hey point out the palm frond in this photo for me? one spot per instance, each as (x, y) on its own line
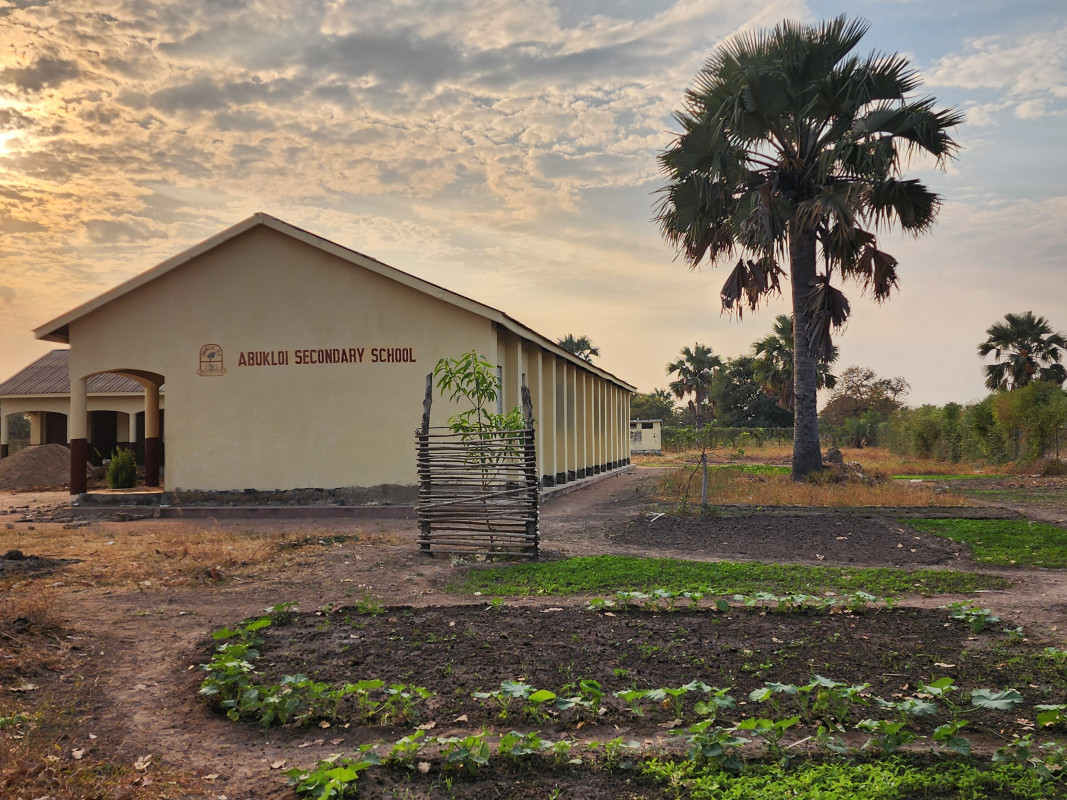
(828, 310)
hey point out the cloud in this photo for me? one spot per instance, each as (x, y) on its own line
(1030, 69)
(45, 73)
(7, 295)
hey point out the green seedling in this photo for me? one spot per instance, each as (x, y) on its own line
(406, 751)
(515, 745)
(1051, 715)
(633, 698)
(505, 696)
(890, 736)
(332, 777)
(946, 737)
(468, 753)
(977, 618)
(717, 700)
(401, 703)
(710, 745)
(536, 705)
(1023, 751)
(770, 730)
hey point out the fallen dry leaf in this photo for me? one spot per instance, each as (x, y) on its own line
(278, 764)
(427, 726)
(461, 718)
(78, 753)
(423, 767)
(142, 763)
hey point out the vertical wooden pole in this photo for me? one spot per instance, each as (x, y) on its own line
(425, 485)
(533, 483)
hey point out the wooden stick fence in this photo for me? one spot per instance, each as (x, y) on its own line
(478, 492)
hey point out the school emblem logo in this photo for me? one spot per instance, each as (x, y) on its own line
(211, 361)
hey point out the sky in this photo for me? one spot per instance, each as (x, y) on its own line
(507, 151)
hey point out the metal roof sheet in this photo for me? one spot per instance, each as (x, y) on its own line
(50, 375)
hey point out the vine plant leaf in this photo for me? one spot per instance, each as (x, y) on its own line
(999, 701)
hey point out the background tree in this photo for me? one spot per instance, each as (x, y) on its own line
(580, 346)
(694, 369)
(740, 401)
(860, 403)
(791, 144)
(859, 390)
(1027, 350)
(774, 364)
(657, 404)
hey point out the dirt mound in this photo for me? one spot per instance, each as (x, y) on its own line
(43, 465)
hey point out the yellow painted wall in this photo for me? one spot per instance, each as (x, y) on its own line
(288, 425)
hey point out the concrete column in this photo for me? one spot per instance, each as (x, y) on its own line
(151, 435)
(615, 458)
(612, 457)
(572, 422)
(559, 369)
(547, 422)
(123, 439)
(36, 427)
(512, 369)
(579, 402)
(77, 432)
(5, 436)
(532, 360)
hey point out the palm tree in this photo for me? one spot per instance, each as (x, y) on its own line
(792, 145)
(774, 364)
(580, 346)
(1031, 352)
(694, 369)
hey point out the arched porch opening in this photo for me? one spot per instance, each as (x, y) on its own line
(141, 431)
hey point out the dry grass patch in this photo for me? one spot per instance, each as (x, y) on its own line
(125, 554)
(727, 486)
(872, 458)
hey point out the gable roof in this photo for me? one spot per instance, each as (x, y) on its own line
(49, 375)
(58, 330)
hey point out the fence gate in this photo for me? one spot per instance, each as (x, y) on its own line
(478, 492)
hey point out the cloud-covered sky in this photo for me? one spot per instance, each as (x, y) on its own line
(505, 150)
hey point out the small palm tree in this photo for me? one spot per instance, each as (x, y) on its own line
(580, 346)
(1027, 350)
(793, 147)
(774, 364)
(695, 370)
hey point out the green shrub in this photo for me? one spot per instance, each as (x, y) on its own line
(122, 470)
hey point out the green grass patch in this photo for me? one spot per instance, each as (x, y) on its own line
(594, 574)
(753, 469)
(1003, 541)
(893, 779)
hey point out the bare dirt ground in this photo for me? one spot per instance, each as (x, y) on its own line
(127, 666)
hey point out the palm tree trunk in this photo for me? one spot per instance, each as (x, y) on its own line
(807, 454)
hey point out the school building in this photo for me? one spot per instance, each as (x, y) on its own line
(281, 360)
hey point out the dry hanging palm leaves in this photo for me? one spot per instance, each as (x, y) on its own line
(828, 308)
(750, 280)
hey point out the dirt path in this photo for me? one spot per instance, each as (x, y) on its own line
(136, 651)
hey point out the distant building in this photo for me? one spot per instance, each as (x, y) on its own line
(290, 362)
(646, 436)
